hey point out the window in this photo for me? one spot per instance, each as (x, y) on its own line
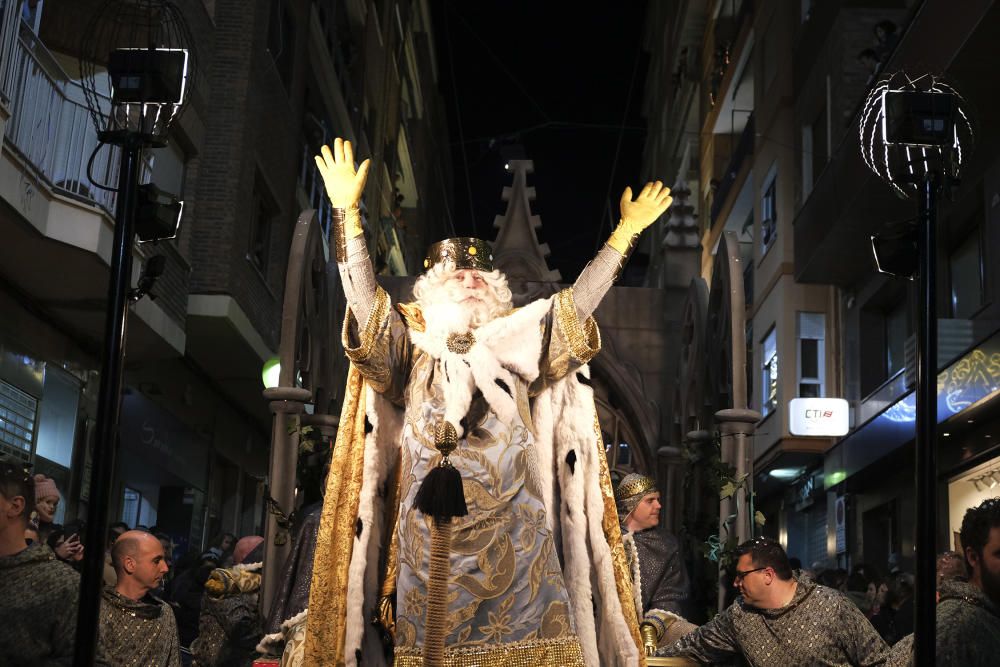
(261, 219)
(769, 373)
(965, 268)
(812, 354)
(769, 213)
(896, 331)
(17, 421)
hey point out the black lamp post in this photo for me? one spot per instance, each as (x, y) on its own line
(137, 65)
(915, 134)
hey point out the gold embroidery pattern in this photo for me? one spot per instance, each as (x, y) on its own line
(613, 533)
(327, 620)
(386, 614)
(413, 316)
(563, 652)
(369, 336)
(584, 341)
(460, 343)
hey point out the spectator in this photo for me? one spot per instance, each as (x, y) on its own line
(781, 620)
(861, 591)
(137, 628)
(968, 613)
(222, 545)
(835, 578)
(894, 619)
(47, 499)
(114, 532)
(950, 567)
(230, 624)
(67, 539)
(39, 593)
(186, 596)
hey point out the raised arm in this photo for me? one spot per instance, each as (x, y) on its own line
(344, 186)
(597, 277)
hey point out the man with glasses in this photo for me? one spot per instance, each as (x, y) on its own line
(38, 593)
(782, 620)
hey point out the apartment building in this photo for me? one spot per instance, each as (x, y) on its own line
(275, 80)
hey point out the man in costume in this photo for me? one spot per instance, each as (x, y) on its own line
(38, 593)
(137, 628)
(781, 620)
(468, 494)
(968, 612)
(659, 577)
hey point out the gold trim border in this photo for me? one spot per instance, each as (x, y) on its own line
(377, 316)
(584, 340)
(565, 652)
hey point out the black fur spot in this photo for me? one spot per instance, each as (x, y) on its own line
(357, 655)
(503, 385)
(571, 460)
(584, 380)
(358, 527)
(465, 425)
(368, 425)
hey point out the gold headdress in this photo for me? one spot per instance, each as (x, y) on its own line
(466, 252)
(631, 490)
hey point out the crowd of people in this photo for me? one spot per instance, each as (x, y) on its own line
(201, 609)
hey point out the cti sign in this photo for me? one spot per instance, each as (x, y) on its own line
(818, 416)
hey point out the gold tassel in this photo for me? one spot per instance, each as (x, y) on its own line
(436, 621)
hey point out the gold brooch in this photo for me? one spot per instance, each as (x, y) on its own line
(460, 343)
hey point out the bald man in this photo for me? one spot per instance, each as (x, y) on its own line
(138, 628)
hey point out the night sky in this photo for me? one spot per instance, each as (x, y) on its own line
(554, 79)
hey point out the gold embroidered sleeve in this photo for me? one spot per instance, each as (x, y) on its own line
(380, 350)
(567, 343)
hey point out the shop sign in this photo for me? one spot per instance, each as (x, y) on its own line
(818, 416)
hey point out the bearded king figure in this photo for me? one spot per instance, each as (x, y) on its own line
(469, 517)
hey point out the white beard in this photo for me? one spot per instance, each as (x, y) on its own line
(450, 309)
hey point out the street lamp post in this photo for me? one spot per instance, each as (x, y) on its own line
(144, 44)
(913, 134)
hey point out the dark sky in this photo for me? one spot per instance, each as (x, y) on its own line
(552, 77)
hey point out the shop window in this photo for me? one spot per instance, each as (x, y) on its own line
(769, 213)
(812, 354)
(17, 421)
(137, 510)
(769, 373)
(965, 269)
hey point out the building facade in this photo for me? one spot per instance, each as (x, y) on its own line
(756, 108)
(275, 80)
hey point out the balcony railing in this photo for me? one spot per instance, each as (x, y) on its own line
(50, 126)
(743, 149)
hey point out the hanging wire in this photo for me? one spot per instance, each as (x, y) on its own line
(90, 170)
(458, 120)
(618, 147)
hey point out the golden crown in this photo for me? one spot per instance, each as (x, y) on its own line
(634, 486)
(466, 252)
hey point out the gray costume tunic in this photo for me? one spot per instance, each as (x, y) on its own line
(662, 573)
(968, 629)
(38, 612)
(818, 627)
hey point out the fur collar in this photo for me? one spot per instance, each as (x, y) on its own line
(506, 347)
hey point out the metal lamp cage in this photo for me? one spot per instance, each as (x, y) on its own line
(150, 47)
(903, 162)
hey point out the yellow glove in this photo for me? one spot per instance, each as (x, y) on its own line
(343, 184)
(652, 201)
